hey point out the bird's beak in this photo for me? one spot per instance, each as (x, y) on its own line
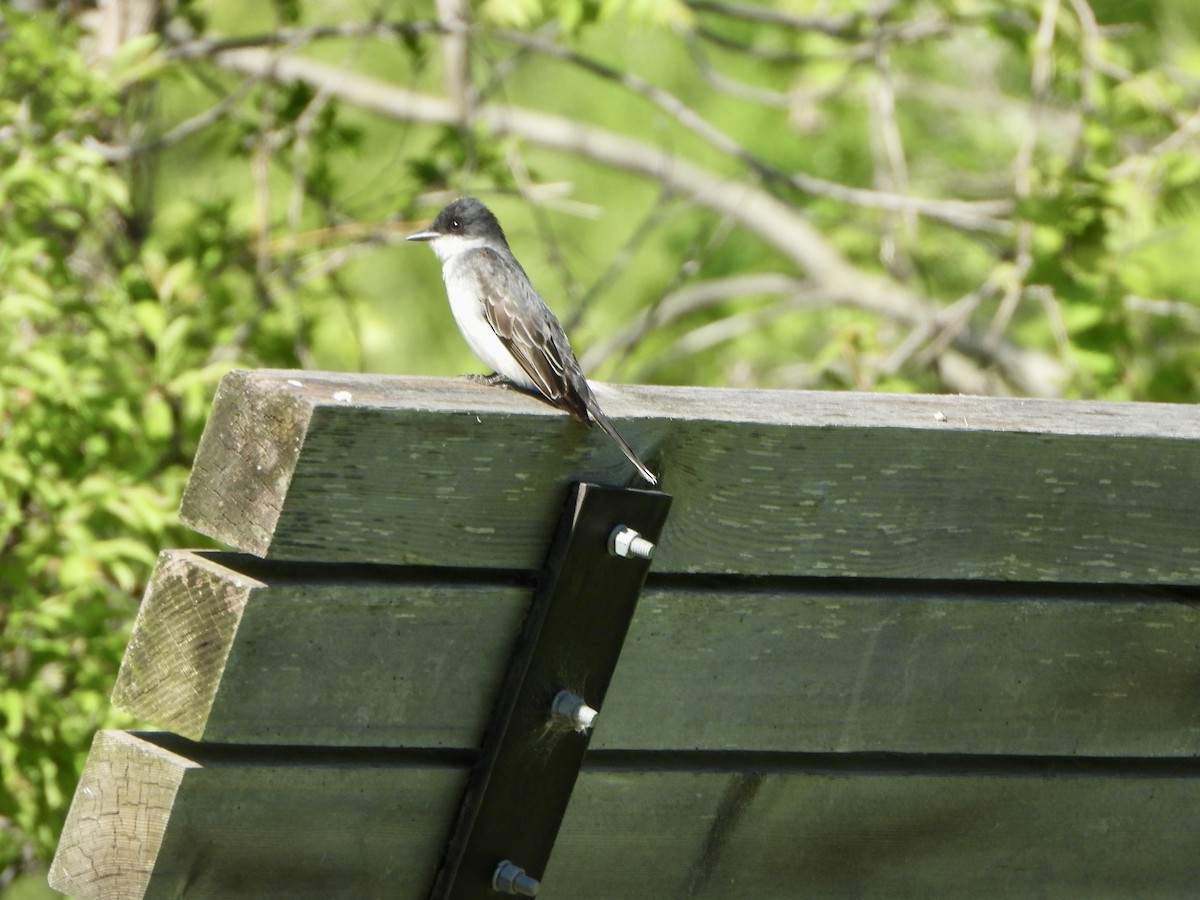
(422, 236)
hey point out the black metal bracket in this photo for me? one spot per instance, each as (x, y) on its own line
(558, 676)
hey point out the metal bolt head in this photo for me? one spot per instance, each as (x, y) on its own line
(624, 541)
(574, 710)
(509, 878)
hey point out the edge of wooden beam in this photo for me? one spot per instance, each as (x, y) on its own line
(231, 650)
(157, 816)
(181, 640)
(118, 818)
(665, 404)
(444, 472)
(245, 460)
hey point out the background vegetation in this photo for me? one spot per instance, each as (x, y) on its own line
(938, 195)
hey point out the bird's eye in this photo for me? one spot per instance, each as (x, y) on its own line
(455, 224)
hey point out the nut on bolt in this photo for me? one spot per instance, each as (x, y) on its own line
(624, 541)
(509, 878)
(574, 710)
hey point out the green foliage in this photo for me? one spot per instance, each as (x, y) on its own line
(1080, 129)
(573, 14)
(265, 238)
(111, 349)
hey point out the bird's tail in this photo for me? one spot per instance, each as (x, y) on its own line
(611, 430)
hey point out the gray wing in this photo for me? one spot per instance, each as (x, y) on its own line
(527, 327)
(531, 333)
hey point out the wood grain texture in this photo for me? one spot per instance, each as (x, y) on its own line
(118, 818)
(318, 466)
(354, 657)
(1018, 669)
(247, 455)
(174, 664)
(262, 825)
(886, 834)
(329, 657)
(361, 825)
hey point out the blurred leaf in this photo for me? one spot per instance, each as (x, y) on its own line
(137, 60)
(512, 13)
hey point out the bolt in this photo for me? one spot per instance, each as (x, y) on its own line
(624, 541)
(509, 878)
(572, 708)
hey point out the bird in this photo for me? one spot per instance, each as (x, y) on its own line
(505, 320)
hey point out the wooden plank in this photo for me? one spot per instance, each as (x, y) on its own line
(247, 455)
(891, 834)
(1013, 669)
(156, 817)
(341, 657)
(396, 657)
(115, 826)
(198, 822)
(319, 466)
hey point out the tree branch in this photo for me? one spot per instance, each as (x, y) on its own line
(844, 26)
(972, 215)
(774, 221)
(206, 47)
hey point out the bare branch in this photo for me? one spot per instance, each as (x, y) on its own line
(966, 214)
(181, 132)
(679, 303)
(1151, 306)
(454, 16)
(844, 26)
(776, 57)
(1040, 78)
(713, 334)
(937, 331)
(986, 215)
(295, 37)
(731, 86)
(773, 220)
(891, 166)
(1185, 134)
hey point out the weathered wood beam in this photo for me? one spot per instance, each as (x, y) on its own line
(342, 657)
(351, 468)
(886, 833)
(156, 817)
(232, 650)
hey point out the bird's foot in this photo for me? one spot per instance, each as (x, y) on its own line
(490, 380)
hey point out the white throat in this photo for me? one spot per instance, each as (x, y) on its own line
(450, 246)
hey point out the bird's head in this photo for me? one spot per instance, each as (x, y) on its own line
(465, 224)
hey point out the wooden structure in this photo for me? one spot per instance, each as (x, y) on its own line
(890, 646)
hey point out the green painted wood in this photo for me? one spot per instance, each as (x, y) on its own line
(156, 817)
(233, 651)
(789, 835)
(341, 658)
(247, 456)
(1003, 669)
(317, 466)
(1001, 700)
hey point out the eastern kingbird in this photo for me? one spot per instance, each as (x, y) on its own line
(505, 319)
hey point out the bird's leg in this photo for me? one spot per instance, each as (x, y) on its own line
(490, 380)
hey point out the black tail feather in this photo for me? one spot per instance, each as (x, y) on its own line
(611, 430)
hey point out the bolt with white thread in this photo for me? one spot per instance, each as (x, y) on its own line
(509, 878)
(574, 710)
(624, 541)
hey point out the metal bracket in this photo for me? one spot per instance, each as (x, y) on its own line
(533, 749)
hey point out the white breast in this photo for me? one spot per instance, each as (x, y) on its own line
(468, 313)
